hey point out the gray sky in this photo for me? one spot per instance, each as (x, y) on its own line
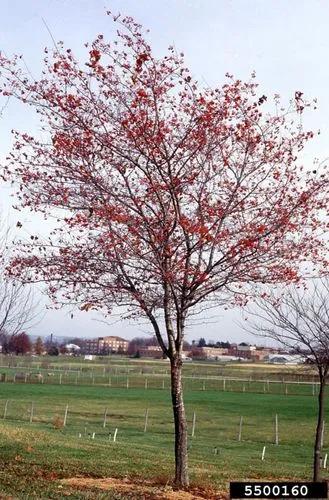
(286, 43)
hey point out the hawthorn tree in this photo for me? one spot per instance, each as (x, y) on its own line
(169, 197)
(299, 320)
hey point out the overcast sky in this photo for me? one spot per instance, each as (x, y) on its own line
(285, 42)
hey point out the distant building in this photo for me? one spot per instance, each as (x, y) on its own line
(106, 345)
(286, 359)
(72, 348)
(151, 351)
(155, 351)
(208, 352)
(242, 351)
(262, 354)
(251, 352)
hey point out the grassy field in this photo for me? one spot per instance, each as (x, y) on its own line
(37, 452)
(117, 364)
(150, 374)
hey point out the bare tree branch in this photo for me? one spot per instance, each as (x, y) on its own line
(299, 320)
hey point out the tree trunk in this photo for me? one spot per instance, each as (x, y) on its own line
(181, 467)
(317, 443)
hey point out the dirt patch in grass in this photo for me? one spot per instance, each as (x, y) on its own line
(142, 489)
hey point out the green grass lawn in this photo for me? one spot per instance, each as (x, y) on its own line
(35, 456)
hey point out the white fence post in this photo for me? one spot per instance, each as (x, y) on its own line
(240, 429)
(65, 415)
(5, 409)
(105, 417)
(31, 412)
(263, 452)
(193, 424)
(146, 419)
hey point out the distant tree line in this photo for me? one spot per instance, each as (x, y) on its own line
(18, 343)
(21, 343)
(203, 343)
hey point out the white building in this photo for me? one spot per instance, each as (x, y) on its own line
(72, 348)
(286, 359)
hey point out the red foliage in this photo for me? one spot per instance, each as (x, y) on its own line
(171, 193)
(20, 343)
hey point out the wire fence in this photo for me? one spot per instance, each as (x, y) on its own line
(261, 438)
(157, 381)
(109, 365)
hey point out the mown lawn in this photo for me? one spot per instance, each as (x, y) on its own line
(35, 456)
